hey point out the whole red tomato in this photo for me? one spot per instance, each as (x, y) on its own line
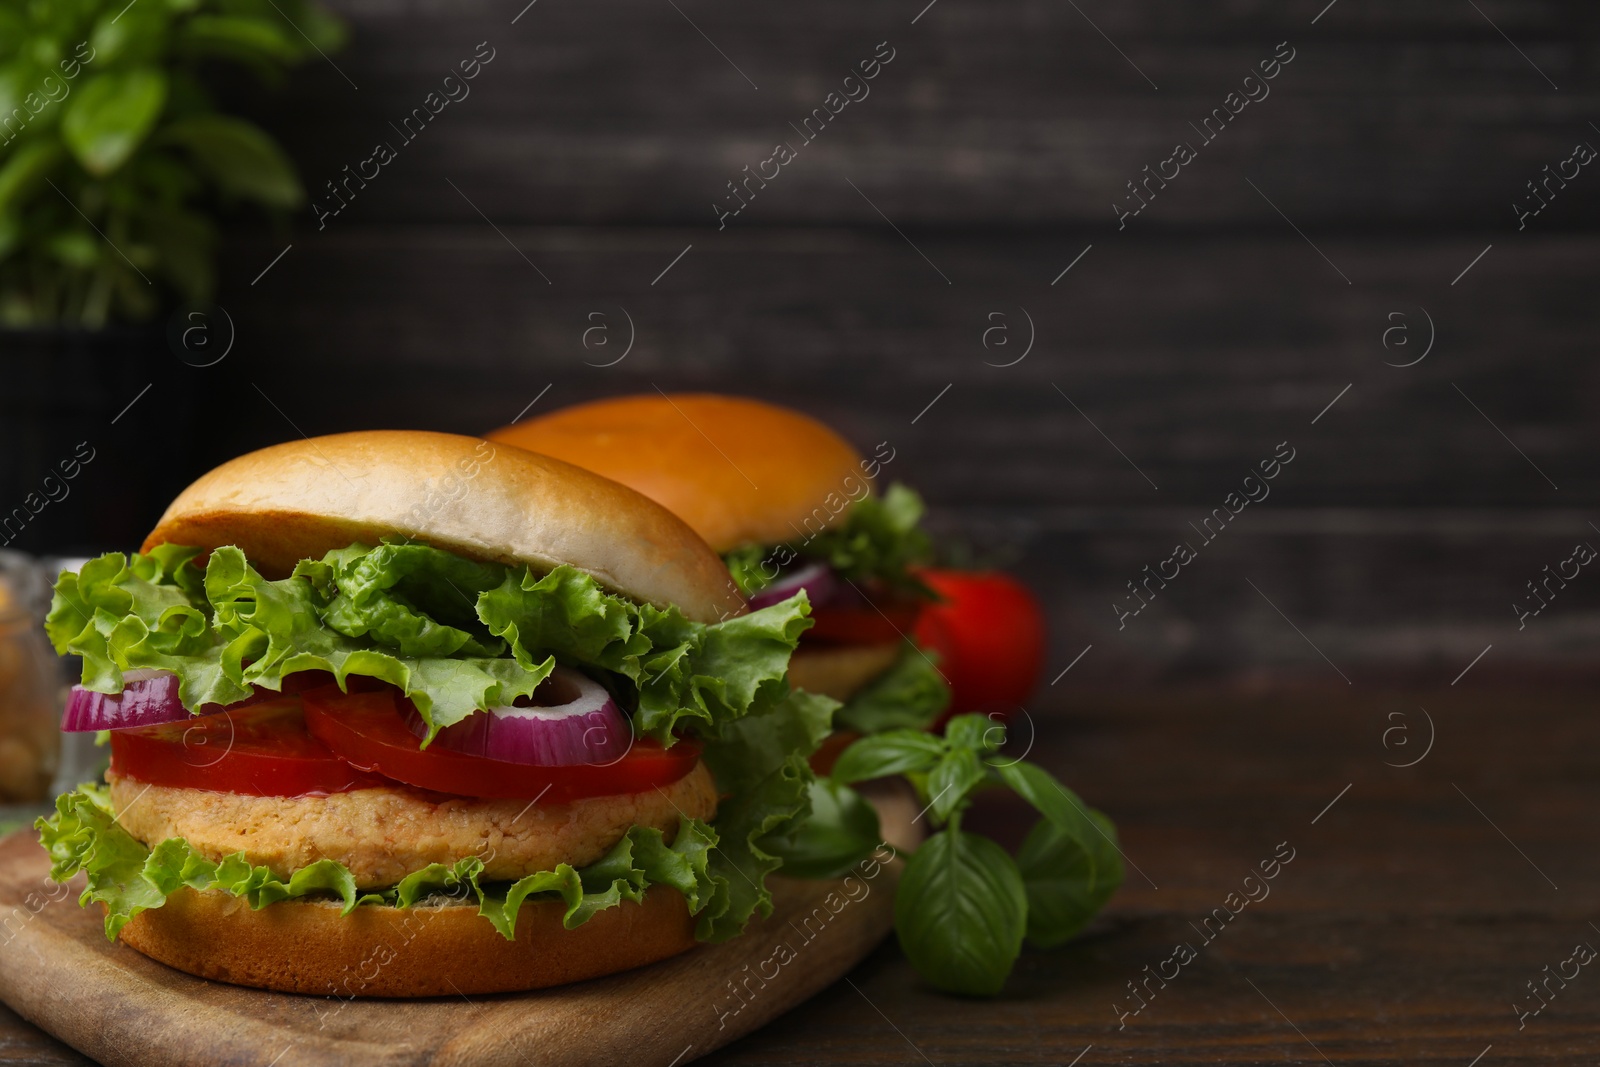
(989, 633)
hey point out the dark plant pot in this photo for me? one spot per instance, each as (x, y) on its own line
(80, 470)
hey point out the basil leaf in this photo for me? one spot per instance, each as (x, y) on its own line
(961, 769)
(241, 158)
(841, 832)
(952, 779)
(960, 913)
(130, 38)
(911, 694)
(111, 115)
(25, 172)
(1066, 883)
(979, 733)
(1052, 799)
(895, 752)
(1069, 860)
(246, 39)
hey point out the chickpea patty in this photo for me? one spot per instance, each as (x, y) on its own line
(384, 834)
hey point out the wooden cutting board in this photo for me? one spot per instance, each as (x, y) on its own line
(58, 970)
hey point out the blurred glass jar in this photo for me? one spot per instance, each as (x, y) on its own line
(30, 685)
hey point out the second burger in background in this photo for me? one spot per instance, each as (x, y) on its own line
(790, 505)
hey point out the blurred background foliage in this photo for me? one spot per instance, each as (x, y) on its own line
(116, 157)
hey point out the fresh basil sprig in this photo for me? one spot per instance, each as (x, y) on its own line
(964, 905)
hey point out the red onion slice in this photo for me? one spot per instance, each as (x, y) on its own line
(576, 723)
(148, 698)
(817, 579)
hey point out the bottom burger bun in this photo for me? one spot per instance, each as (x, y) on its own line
(840, 671)
(429, 950)
(441, 945)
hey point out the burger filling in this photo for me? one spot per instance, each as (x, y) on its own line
(395, 720)
(857, 564)
(382, 834)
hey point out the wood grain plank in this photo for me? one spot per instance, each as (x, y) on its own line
(1400, 932)
(24, 1045)
(1194, 356)
(1016, 113)
(1420, 598)
(1405, 527)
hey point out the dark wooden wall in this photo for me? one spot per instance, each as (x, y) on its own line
(458, 284)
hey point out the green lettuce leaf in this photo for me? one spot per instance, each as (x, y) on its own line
(745, 565)
(879, 539)
(761, 765)
(841, 831)
(912, 694)
(128, 877)
(679, 669)
(229, 630)
(455, 635)
(412, 598)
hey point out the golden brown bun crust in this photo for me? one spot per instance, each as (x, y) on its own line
(301, 499)
(839, 671)
(737, 470)
(426, 951)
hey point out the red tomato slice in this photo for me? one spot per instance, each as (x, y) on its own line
(862, 625)
(367, 729)
(260, 750)
(989, 633)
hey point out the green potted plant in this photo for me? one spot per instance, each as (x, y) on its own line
(114, 157)
(116, 164)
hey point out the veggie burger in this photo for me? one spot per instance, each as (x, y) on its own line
(412, 714)
(791, 506)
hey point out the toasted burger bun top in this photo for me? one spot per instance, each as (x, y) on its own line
(737, 470)
(481, 500)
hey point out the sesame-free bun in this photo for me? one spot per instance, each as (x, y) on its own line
(475, 498)
(735, 469)
(430, 950)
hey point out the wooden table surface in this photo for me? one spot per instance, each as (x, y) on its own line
(1417, 904)
(1376, 189)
